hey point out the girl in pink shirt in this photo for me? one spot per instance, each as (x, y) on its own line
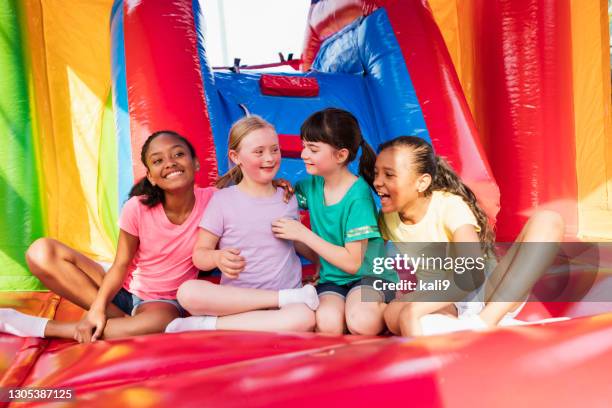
(158, 230)
(261, 275)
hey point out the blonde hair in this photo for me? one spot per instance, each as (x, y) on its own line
(240, 129)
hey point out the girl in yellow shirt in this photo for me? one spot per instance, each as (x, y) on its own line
(423, 200)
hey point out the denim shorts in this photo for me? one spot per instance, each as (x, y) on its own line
(343, 290)
(128, 302)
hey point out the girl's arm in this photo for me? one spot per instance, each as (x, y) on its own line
(347, 258)
(467, 242)
(467, 246)
(312, 256)
(306, 252)
(207, 257)
(126, 249)
(111, 283)
(466, 233)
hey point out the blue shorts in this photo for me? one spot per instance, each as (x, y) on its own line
(128, 302)
(330, 288)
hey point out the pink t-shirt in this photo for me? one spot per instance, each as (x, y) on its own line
(245, 222)
(163, 258)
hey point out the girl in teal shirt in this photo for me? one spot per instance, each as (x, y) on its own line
(345, 239)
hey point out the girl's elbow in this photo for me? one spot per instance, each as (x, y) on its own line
(201, 257)
(199, 264)
(197, 260)
(353, 268)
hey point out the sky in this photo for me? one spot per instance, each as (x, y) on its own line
(256, 30)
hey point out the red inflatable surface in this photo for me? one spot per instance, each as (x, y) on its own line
(519, 366)
(558, 364)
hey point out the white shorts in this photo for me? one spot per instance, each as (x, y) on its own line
(471, 308)
(105, 265)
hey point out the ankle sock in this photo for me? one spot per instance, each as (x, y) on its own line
(306, 294)
(21, 324)
(192, 323)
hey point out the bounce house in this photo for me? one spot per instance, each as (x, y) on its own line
(515, 94)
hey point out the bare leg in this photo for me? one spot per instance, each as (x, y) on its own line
(403, 315)
(68, 273)
(330, 315)
(364, 318)
(206, 298)
(409, 320)
(150, 318)
(391, 316)
(523, 265)
(297, 317)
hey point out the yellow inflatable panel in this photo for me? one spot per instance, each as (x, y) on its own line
(593, 117)
(70, 45)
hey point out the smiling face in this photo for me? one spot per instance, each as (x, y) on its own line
(321, 158)
(169, 163)
(397, 183)
(258, 155)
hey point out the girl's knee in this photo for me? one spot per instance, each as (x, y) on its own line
(391, 315)
(366, 321)
(191, 292)
(551, 221)
(42, 252)
(411, 312)
(304, 320)
(329, 322)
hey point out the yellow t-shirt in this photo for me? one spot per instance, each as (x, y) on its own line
(446, 213)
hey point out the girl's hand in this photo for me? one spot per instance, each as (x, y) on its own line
(230, 262)
(289, 229)
(285, 185)
(94, 320)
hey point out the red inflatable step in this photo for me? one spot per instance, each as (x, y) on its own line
(290, 145)
(285, 85)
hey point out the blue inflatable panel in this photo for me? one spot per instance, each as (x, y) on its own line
(368, 48)
(120, 103)
(287, 114)
(360, 69)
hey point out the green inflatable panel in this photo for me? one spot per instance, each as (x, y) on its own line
(20, 208)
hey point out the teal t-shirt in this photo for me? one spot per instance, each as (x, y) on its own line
(353, 218)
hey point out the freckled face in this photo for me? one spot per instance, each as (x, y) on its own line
(395, 180)
(169, 163)
(259, 155)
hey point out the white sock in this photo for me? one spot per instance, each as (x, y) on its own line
(306, 294)
(442, 324)
(192, 323)
(21, 324)
(509, 321)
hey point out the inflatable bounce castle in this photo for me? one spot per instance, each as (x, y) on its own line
(514, 93)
